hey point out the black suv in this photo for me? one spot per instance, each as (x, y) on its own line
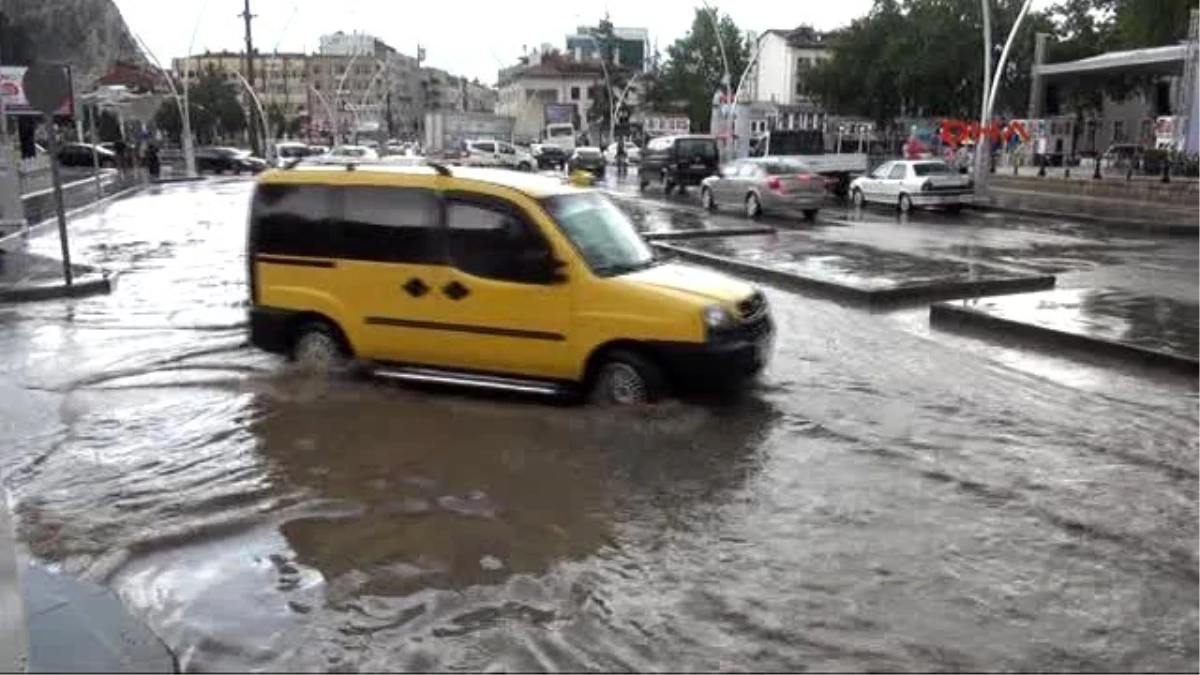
(678, 161)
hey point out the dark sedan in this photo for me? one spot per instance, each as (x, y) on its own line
(587, 159)
(233, 160)
(550, 156)
(81, 155)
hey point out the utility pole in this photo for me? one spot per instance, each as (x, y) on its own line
(248, 17)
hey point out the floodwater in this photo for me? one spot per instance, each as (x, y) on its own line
(887, 499)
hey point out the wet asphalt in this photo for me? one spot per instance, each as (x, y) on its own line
(888, 498)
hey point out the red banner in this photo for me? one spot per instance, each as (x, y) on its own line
(957, 132)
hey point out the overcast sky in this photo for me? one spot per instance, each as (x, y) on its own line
(466, 37)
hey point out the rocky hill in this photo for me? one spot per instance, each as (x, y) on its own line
(90, 35)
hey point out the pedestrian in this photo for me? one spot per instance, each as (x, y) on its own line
(620, 158)
(119, 148)
(153, 163)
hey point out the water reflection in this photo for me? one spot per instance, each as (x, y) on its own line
(461, 491)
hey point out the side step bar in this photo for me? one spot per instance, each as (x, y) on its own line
(455, 378)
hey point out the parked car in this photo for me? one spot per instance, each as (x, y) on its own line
(1123, 156)
(759, 186)
(492, 280)
(291, 150)
(351, 153)
(633, 154)
(587, 159)
(498, 153)
(233, 160)
(909, 184)
(550, 156)
(678, 161)
(81, 155)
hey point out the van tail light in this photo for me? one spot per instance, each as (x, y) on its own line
(774, 184)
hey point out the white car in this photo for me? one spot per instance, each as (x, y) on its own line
(351, 153)
(914, 183)
(633, 154)
(500, 154)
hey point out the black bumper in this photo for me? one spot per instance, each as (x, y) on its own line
(716, 366)
(690, 177)
(271, 329)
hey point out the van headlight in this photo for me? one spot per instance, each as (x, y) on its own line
(717, 317)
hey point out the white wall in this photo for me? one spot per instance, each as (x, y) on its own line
(523, 99)
(773, 72)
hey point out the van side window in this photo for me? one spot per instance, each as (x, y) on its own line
(492, 241)
(293, 220)
(388, 224)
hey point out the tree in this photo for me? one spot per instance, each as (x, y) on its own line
(1149, 23)
(925, 58)
(694, 70)
(215, 109)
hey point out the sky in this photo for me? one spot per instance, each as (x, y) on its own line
(474, 38)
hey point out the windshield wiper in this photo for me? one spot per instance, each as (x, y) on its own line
(616, 269)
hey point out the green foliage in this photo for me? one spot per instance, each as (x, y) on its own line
(215, 109)
(694, 69)
(925, 58)
(1148, 23)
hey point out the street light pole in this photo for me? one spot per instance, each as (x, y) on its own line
(727, 78)
(980, 155)
(982, 168)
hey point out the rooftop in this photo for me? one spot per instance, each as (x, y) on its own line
(1168, 58)
(531, 184)
(801, 37)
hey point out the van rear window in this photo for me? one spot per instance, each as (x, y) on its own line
(697, 147)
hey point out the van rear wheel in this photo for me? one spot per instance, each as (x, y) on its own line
(627, 378)
(318, 347)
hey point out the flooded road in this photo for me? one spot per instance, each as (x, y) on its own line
(889, 498)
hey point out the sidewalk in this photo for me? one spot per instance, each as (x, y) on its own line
(28, 277)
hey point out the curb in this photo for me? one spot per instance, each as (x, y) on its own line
(81, 210)
(674, 235)
(178, 179)
(1141, 226)
(79, 289)
(871, 298)
(967, 320)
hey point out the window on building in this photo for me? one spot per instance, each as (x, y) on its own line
(1118, 131)
(574, 93)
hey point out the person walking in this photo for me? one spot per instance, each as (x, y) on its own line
(620, 158)
(153, 163)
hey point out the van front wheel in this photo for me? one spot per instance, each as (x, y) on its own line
(626, 378)
(318, 347)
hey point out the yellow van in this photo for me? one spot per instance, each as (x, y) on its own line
(487, 278)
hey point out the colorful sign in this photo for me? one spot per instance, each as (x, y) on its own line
(13, 92)
(958, 132)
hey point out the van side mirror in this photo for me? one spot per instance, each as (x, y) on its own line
(541, 267)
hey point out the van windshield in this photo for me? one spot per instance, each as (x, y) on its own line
(601, 232)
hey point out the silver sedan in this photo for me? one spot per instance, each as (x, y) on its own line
(768, 184)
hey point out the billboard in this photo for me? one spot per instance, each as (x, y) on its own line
(560, 113)
(12, 91)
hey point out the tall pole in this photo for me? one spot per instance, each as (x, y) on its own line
(247, 17)
(982, 155)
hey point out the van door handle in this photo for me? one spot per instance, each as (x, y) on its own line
(455, 291)
(415, 287)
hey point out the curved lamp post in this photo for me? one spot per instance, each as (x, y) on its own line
(266, 127)
(990, 96)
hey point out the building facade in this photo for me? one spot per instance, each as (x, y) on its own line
(546, 76)
(776, 82)
(279, 78)
(632, 51)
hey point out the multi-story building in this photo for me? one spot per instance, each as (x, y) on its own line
(631, 51)
(394, 102)
(546, 76)
(776, 82)
(279, 78)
